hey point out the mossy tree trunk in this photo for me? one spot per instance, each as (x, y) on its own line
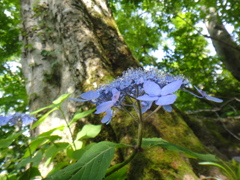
(73, 46)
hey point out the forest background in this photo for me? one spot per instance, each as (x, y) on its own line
(174, 30)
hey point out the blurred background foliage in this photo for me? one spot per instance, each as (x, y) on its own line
(12, 91)
(169, 35)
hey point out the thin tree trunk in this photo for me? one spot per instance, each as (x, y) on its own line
(227, 50)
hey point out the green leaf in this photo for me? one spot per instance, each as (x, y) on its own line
(89, 131)
(6, 142)
(229, 172)
(52, 151)
(35, 160)
(79, 115)
(48, 133)
(92, 165)
(121, 174)
(30, 173)
(152, 142)
(43, 118)
(39, 110)
(38, 142)
(77, 154)
(58, 167)
(55, 104)
(60, 99)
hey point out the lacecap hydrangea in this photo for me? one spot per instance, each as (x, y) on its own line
(16, 118)
(147, 86)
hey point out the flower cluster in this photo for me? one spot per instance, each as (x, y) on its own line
(14, 119)
(147, 86)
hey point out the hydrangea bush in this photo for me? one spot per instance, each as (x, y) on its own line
(136, 88)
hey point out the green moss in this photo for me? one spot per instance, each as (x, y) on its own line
(158, 163)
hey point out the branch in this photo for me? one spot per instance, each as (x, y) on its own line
(214, 109)
(207, 36)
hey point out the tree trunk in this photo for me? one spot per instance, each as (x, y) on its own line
(227, 50)
(73, 46)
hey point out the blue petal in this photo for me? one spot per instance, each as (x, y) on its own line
(3, 120)
(147, 98)
(152, 88)
(90, 95)
(167, 108)
(166, 100)
(104, 107)
(26, 119)
(171, 87)
(108, 117)
(201, 92)
(116, 94)
(210, 98)
(81, 100)
(146, 105)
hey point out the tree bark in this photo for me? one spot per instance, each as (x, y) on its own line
(72, 46)
(227, 50)
(69, 47)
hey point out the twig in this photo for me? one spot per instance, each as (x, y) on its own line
(214, 109)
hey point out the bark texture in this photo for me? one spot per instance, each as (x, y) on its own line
(69, 46)
(227, 50)
(72, 46)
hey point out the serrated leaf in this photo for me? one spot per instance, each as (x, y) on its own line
(92, 165)
(89, 131)
(152, 142)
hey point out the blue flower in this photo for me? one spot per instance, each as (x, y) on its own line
(13, 119)
(87, 96)
(106, 106)
(108, 117)
(161, 96)
(210, 98)
(154, 85)
(4, 120)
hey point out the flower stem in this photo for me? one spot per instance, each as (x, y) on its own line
(69, 128)
(137, 148)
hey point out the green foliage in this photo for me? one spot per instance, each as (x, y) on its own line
(152, 142)
(83, 161)
(231, 170)
(92, 165)
(12, 90)
(44, 146)
(175, 28)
